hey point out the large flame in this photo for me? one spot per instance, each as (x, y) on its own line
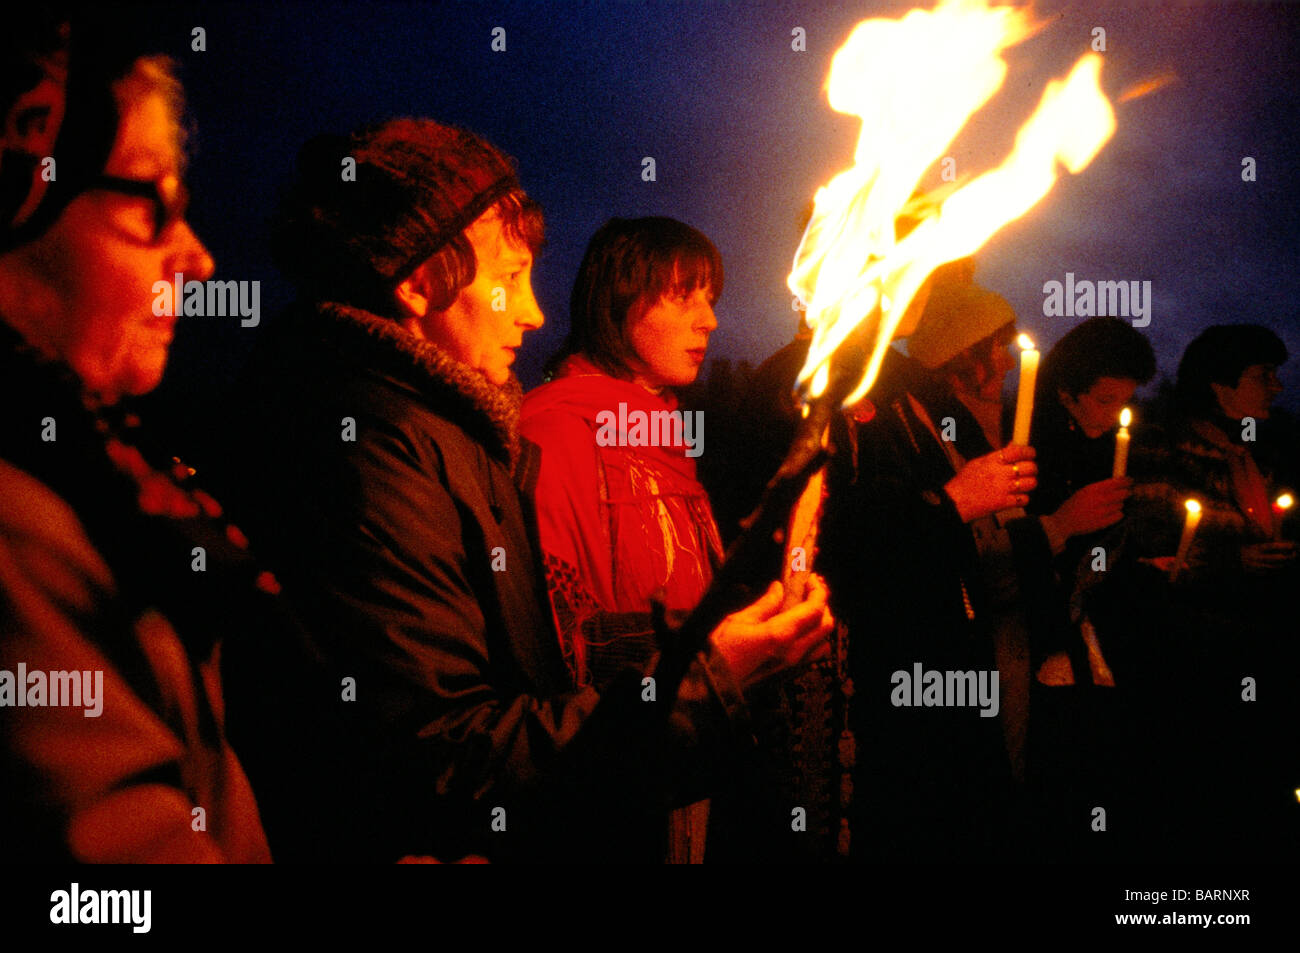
(915, 82)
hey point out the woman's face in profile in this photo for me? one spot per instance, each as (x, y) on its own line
(669, 339)
(1254, 394)
(112, 330)
(992, 371)
(1096, 409)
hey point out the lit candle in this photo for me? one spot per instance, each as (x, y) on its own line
(1185, 542)
(1121, 443)
(1025, 399)
(1280, 506)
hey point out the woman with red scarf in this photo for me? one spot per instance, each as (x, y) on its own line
(622, 518)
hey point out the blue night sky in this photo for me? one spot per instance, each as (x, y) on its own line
(741, 135)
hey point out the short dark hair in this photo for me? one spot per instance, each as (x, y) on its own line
(629, 264)
(1099, 347)
(1218, 355)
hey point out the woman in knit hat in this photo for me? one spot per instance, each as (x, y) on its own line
(965, 339)
(378, 457)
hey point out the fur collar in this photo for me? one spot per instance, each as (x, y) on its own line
(489, 413)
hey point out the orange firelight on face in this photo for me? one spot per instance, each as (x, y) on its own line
(914, 83)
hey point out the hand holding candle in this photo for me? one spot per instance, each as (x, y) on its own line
(1185, 542)
(1025, 397)
(994, 483)
(1121, 443)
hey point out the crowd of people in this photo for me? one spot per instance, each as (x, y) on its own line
(410, 613)
(1129, 668)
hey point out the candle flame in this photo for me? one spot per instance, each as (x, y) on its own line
(1125, 417)
(1025, 343)
(915, 82)
(1193, 506)
(1285, 501)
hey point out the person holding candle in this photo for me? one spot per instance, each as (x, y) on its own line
(1089, 377)
(1223, 618)
(1079, 754)
(928, 571)
(1220, 452)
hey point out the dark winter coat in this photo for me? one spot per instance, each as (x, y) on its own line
(433, 711)
(932, 783)
(99, 573)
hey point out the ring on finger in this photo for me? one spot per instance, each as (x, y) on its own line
(1015, 469)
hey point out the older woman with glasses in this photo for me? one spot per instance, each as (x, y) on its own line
(117, 577)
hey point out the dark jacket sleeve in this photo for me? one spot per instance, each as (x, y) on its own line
(119, 780)
(1041, 595)
(460, 717)
(901, 562)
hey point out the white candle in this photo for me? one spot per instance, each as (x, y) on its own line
(1185, 542)
(1121, 443)
(1025, 398)
(1280, 506)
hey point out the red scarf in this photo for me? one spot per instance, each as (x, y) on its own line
(631, 520)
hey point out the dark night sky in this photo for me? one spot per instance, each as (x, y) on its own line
(742, 136)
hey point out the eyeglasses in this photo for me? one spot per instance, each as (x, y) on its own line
(168, 194)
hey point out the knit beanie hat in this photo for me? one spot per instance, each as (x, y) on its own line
(58, 116)
(957, 316)
(351, 228)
